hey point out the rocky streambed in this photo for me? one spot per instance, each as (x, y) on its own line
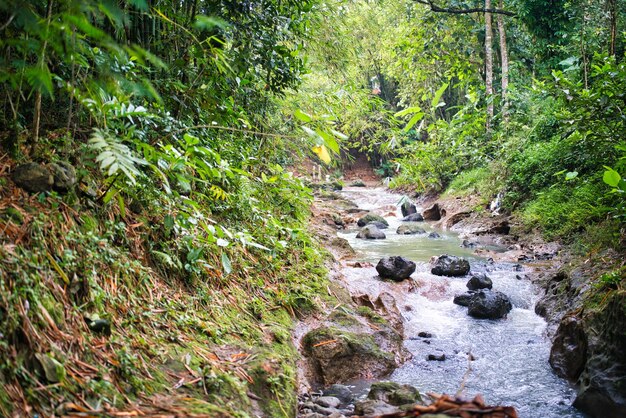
(406, 336)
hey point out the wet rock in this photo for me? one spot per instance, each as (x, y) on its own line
(468, 244)
(436, 357)
(487, 304)
(379, 225)
(425, 334)
(569, 349)
(385, 305)
(451, 266)
(338, 356)
(463, 299)
(479, 281)
(409, 230)
(434, 235)
(371, 232)
(433, 213)
(374, 408)
(357, 183)
(33, 178)
(416, 217)
(371, 217)
(341, 392)
(602, 383)
(408, 208)
(395, 268)
(394, 393)
(328, 401)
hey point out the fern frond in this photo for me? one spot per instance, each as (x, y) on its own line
(113, 156)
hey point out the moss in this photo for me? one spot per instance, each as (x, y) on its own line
(371, 315)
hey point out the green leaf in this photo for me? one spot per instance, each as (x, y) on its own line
(571, 175)
(611, 177)
(438, 95)
(409, 110)
(228, 268)
(416, 118)
(209, 22)
(304, 117)
(329, 141)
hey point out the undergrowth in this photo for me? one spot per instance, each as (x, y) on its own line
(191, 331)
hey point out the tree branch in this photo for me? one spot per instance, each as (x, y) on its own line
(438, 9)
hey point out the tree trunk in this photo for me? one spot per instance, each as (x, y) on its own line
(612, 6)
(504, 55)
(42, 62)
(489, 66)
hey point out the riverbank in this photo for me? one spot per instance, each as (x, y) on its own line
(482, 233)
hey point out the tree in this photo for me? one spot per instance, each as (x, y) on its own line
(489, 65)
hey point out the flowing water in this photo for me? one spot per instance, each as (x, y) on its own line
(510, 365)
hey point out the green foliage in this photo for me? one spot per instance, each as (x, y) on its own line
(565, 209)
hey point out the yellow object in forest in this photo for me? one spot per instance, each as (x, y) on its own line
(322, 153)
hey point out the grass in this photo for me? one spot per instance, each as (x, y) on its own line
(178, 344)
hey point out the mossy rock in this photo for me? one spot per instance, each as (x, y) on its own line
(394, 393)
(339, 356)
(13, 215)
(410, 230)
(371, 217)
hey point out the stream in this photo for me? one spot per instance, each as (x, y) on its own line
(510, 364)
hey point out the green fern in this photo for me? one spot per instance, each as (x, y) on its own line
(113, 156)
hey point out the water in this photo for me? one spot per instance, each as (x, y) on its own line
(510, 365)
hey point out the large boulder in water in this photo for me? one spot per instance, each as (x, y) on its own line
(371, 217)
(394, 393)
(409, 230)
(479, 281)
(414, 217)
(487, 304)
(408, 208)
(379, 224)
(371, 232)
(451, 266)
(463, 299)
(395, 268)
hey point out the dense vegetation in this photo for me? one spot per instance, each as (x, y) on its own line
(544, 127)
(186, 231)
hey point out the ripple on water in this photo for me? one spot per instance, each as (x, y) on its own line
(511, 355)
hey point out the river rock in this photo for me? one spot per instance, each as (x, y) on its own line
(434, 213)
(602, 383)
(451, 266)
(371, 217)
(339, 356)
(371, 407)
(569, 349)
(341, 392)
(357, 183)
(436, 357)
(328, 401)
(394, 393)
(415, 217)
(371, 232)
(409, 230)
(395, 268)
(407, 209)
(463, 299)
(479, 281)
(434, 235)
(487, 304)
(379, 225)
